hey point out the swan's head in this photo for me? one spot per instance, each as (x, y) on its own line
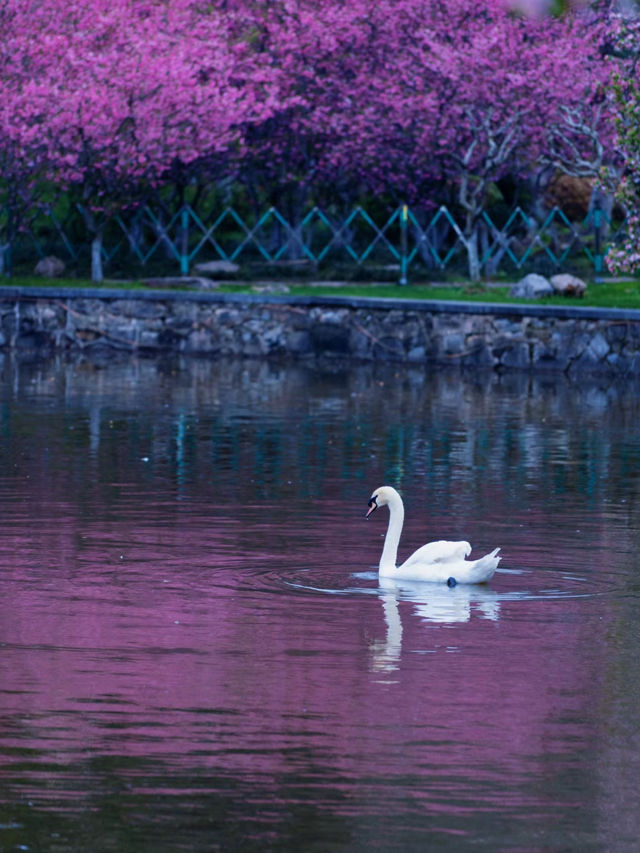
(382, 497)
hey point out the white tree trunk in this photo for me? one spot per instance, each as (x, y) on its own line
(473, 255)
(96, 258)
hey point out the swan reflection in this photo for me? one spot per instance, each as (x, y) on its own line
(440, 603)
(431, 603)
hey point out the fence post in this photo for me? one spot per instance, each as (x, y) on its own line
(184, 242)
(404, 216)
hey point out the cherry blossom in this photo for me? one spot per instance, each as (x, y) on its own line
(299, 102)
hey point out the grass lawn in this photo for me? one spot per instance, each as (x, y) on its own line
(609, 294)
(602, 294)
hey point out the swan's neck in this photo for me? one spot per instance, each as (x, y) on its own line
(391, 540)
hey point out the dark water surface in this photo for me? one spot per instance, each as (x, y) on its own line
(196, 653)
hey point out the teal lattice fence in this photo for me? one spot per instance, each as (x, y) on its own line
(408, 241)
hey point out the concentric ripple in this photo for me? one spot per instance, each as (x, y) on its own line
(508, 585)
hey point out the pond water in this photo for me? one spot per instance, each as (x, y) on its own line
(195, 650)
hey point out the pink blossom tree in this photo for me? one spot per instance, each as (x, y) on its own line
(403, 97)
(624, 48)
(114, 93)
(300, 101)
(500, 83)
(19, 169)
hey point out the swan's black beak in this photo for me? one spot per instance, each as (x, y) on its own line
(373, 506)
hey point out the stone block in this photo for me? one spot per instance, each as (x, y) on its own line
(516, 354)
(34, 341)
(171, 339)
(360, 344)
(50, 267)
(219, 267)
(89, 307)
(274, 338)
(224, 316)
(273, 287)
(478, 354)
(599, 346)
(336, 317)
(330, 337)
(453, 343)
(140, 308)
(389, 347)
(568, 285)
(618, 332)
(545, 356)
(298, 342)
(508, 326)
(185, 311)
(532, 286)
(124, 333)
(149, 339)
(200, 340)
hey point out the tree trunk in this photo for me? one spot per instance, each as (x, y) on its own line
(96, 257)
(470, 200)
(473, 256)
(8, 236)
(5, 259)
(95, 228)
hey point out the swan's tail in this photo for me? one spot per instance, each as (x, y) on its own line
(485, 567)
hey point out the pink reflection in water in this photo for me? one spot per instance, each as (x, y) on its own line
(185, 644)
(211, 622)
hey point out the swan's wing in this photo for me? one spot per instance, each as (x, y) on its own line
(439, 552)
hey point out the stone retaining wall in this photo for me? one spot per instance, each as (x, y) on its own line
(503, 337)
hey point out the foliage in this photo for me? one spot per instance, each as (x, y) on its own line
(298, 101)
(107, 98)
(625, 45)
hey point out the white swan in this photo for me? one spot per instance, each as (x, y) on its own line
(438, 562)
